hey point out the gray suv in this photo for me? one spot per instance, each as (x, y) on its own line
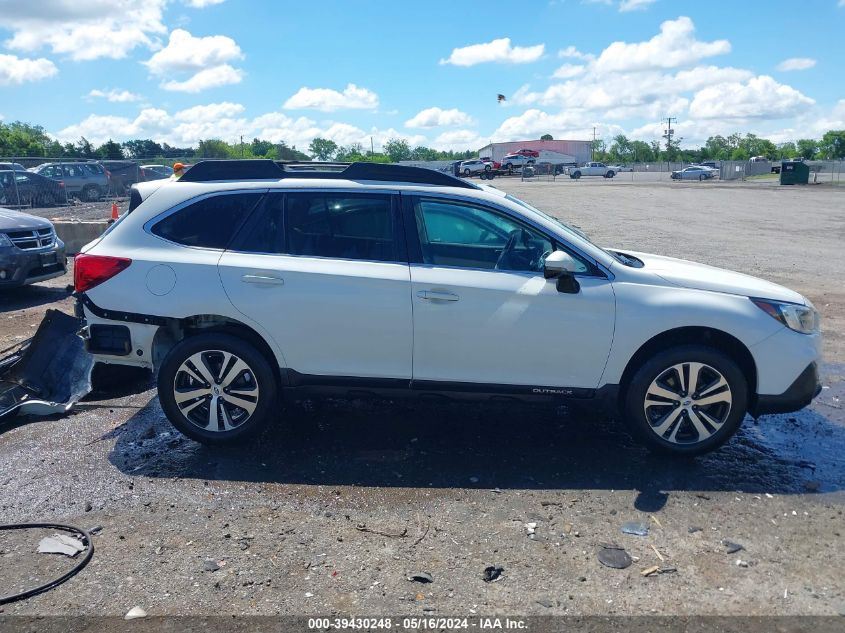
(87, 181)
(30, 250)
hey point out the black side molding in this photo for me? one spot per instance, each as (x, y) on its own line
(800, 393)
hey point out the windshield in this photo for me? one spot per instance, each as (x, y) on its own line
(569, 229)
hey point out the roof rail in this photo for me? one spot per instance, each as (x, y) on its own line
(264, 169)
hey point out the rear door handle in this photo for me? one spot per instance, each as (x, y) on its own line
(268, 280)
(434, 295)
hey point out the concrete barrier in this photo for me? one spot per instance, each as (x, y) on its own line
(75, 235)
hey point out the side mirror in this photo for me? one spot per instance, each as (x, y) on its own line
(559, 263)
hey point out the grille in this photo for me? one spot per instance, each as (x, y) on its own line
(32, 240)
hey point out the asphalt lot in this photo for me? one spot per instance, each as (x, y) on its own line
(333, 508)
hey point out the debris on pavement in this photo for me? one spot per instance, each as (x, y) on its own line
(545, 603)
(51, 373)
(60, 544)
(694, 528)
(420, 576)
(134, 613)
(492, 573)
(531, 528)
(648, 571)
(210, 565)
(732, 548)
(614, 556)
(363, 528)
(636, 528)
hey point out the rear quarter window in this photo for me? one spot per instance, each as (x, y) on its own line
(207, 223)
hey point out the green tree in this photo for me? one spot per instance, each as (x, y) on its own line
(807, 148)
(787, 150)
(110, 151)
(143, 148)
(740, 153)
(620, 149)
(84, 148)
(642, 152)
(213, 148)
(259, 147)
(832, 144)
(397, 149)
(323, 149)
(547, 137)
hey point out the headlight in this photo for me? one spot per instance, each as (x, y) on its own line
(4, 240)
(804, 319)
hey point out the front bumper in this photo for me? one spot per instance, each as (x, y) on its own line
(19, 267)
(799, 394)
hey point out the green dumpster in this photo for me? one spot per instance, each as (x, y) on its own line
(794, 172)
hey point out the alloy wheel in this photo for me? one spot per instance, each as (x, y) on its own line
(216, 390)
(687, 403)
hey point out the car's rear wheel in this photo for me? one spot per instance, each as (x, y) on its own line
(91, 193)
(467, 172)
(686, 400)
(217, 389)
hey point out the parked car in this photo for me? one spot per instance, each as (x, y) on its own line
(88, 181)
(415, 282)
(620, 168)
(529, 153)
(12, 166)
(475, 166)
(712, 164)
(694, 172)
(516, 161)
(25, 188)
(592, 169)
(164, 170)
(147, 174)
(30, 250)
(494, 163)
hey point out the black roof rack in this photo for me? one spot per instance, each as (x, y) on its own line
(261, 169)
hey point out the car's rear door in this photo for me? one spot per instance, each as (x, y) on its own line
(326, 273)
(483, 311)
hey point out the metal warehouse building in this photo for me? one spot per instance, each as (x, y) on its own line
(576, 151)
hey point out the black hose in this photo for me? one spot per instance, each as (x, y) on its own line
(86, 539)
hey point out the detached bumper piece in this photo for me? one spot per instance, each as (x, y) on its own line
(51, 374)
(800, 393)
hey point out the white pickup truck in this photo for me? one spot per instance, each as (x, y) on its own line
(591, 169)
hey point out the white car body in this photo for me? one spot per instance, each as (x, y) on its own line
(475, 166)
(592, 169)
(424, 326)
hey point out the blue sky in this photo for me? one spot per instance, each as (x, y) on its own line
(430, 72)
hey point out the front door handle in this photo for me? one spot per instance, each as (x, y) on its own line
(267, 280)
(434, 295)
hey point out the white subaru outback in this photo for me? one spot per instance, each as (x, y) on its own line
(246, 280)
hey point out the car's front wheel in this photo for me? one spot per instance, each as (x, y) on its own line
(91, 193)
(686, 400)
(217, 388)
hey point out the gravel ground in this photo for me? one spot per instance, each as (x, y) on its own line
(330, 511)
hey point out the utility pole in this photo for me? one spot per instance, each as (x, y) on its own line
(242, 145)
(372, 147)
(667, 134)
(593, 146)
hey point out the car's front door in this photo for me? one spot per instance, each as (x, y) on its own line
(483, 311)
(326, 273)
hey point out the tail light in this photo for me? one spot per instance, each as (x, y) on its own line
(61, 184)
(92, 270)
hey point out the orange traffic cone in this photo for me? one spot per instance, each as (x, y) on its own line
(114, 213)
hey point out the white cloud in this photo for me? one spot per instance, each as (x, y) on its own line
(797, 63)
(17, 70)
(83, 30)
(206, 58)
(499, 50)
(459, 140)
(201, 4)
(759, 97)
(567, 71)
(635, 5)
(210, 112)
(115, 95)
(184, 52)
(222, 75)
(437, 117)
(328, 100)
(675, 46)
(574, 53)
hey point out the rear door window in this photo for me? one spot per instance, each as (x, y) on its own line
(208, 223)
(343, 226)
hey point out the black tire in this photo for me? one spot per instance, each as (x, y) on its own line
(701, 177)
(91, 193)
(467, 173)
(635, 399)
(576, 175)
(611, 174)
(263, 376)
